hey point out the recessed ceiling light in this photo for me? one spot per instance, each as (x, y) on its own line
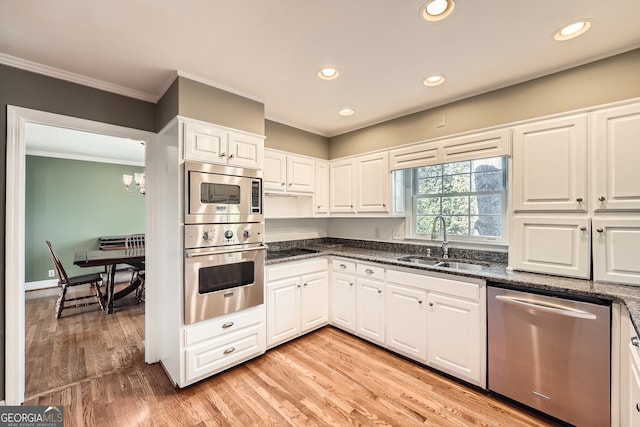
(573, 30)
(346, 111)
(433, 80)
(435, 10)
(328, 73)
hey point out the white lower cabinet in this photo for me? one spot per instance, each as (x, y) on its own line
(453, 338)
(439, 320)
(343, 294)
(217, 344)
(629, 373)
(297, 299)
(370, 303)
(406, 321)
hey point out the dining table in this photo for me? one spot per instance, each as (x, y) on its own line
(110, 260)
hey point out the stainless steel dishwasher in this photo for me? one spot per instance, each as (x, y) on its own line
(552, 354)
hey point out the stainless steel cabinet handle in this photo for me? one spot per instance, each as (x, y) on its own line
(579, 200)
(229, 350)
(342, 266)
(583, 228)
(634, 341)
(599, 230)
(368, 271)
(602, 198)
(227, 325)
(549, 308)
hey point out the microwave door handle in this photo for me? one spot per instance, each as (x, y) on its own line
(228, 251)
(569, 312)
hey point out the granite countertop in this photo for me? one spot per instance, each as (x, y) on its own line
(494, 272)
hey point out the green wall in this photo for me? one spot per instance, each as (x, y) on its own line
(71, 203)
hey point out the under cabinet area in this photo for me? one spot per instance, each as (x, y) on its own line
(297, 298)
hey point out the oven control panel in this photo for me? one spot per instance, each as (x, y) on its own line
(206, 235)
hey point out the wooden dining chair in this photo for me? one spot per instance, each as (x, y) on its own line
(64, 281)
(136, 241)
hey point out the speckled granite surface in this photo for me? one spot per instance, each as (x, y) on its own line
(388, 253)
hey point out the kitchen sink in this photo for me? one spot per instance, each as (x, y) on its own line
(456, 265)
(416, 259)
(461, 265)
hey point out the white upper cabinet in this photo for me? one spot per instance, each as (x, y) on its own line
(550, 165)
(373, 183)
(555, 245)
(615, 250)
(288, 173)
(616, 158)
(321, 195)
(342, 188)
(216, 144)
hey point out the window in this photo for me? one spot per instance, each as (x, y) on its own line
(470, 195)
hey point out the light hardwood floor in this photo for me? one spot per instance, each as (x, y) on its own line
(326, 378)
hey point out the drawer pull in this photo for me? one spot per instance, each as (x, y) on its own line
(638, 407)
(430, 304)
(579, 200)
(304, 284)
(583, 228)
(379, 291)
(229, 350)
(368, 271)
(634, 341)
(227, 325)
(602, 198)
(350, 283)
(599, 230)
(419, 301)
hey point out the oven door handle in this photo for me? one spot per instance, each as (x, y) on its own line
(227, 251)
(549, 308)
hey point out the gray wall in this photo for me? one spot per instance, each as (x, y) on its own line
(608, 80)
(30, 90)
(71, 203)
(287, 138)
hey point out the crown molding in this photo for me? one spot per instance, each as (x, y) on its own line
(57, 73)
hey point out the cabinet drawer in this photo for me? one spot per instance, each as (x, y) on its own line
(341, 265)
(296, 268)
(370, 271)
(213, 328)
(224, 352)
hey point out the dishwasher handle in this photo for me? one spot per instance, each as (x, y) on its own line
(549, 308)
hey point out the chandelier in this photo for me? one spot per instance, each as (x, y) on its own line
(139, 180)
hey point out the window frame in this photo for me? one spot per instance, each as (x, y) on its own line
(411, 178)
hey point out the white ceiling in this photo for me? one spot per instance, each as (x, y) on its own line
(270, 50)
(50, 141)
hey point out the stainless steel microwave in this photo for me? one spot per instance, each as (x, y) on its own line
(221, 194)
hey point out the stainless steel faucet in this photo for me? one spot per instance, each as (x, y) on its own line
(434, 235)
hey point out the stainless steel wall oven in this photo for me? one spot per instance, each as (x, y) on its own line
(223, 241)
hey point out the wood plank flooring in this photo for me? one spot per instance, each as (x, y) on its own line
(326, 378)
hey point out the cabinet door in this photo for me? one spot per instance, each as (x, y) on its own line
(245, 151)
(615, 250)
(283, 310)
(322, 188)
(314, 300)
(370, 309)
(617, 150)
(300, 174)
(453, 336)
(632, 408)
(406, 320)
(372, 183)
(274, 175)
(205, 143)
(550, 165)
(343, 301)
(554, 245)
(342, 186)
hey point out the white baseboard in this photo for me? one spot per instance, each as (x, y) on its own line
(41, 284)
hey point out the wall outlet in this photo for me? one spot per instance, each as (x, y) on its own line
(396, 234)
(52, 273)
